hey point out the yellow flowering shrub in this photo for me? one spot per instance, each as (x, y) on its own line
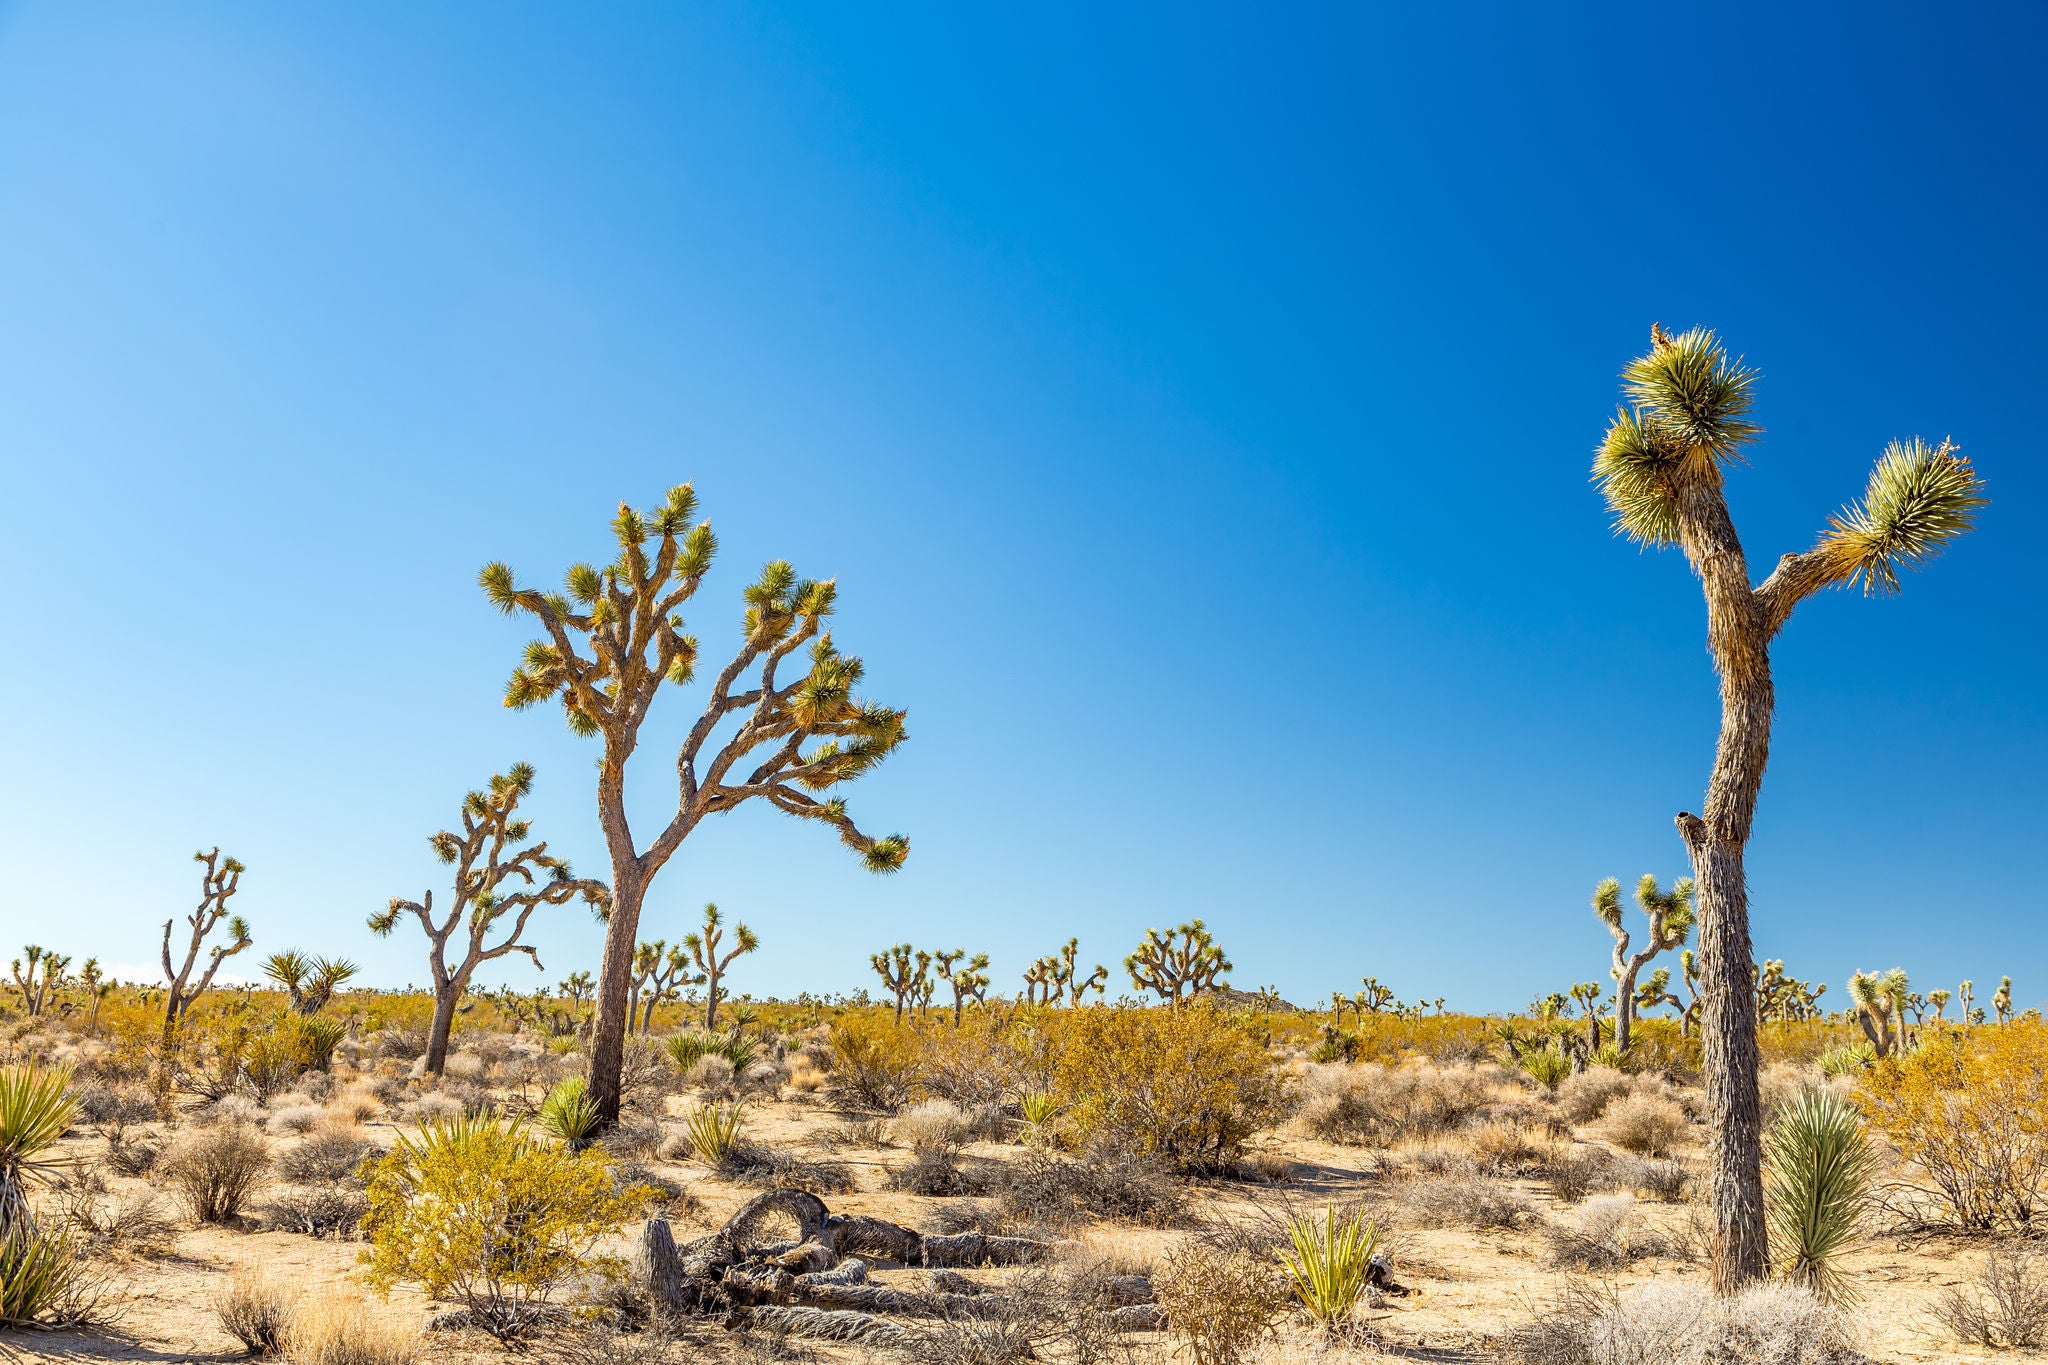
(492, 1215)
(1186, 1084)
(1970, 1110)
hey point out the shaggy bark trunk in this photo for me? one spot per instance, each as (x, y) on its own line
(1738, 635)
(711, 1002)
(614, 982)
(443, 1025)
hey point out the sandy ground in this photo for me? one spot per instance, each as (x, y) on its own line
(1470, 1285)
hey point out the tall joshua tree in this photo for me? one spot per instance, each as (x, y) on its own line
(1184, 962)
(1070, 976)
(661, 972)
(1661, 467)
(1670, 916)
(495, 880)
(1880, 1001)
(609, 645)
(217, 886)
(703, 946)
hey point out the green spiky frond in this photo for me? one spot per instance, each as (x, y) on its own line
(1686, 419)
(1919, 498)
(1607, 902)
(1818, 1170)
(887, 854)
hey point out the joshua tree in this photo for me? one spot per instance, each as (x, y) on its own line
(1779, 996)
(898, 973)
(969, 982)
(2001, 1000)
(1670, 917)
(309, 982)
(661, 972)
(703, 947)
(576, 987)
(1966, 995)
(1938, 999)
(217, 886)
(1375, 998)
(1586, 995)
(1041, 982)
(1880, 1001)
(611, 643)
(1661, 466)
(1067, 973)
(1183, 962)
(496, 881)
(1655, 990)
(35, 989)
(97, 989)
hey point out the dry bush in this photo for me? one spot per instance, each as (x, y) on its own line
(1972, 1112)
(296, 1118)
(317, 1211)
(329, 1329)
(1374, 1105)
(464, 1066)
(634, 1137)
(435, 1107)
(1604, 1233)
(1585, 1096)
(133, 1158)
(1054, 1191)
(104, 1104)
(325, 1158)
(2008, 1306)
(396, 1041)
(933, 1172)
(133, 1225)
(1678, 1322)
(874, 1060)
(934, 1126)
(1467, 1198)
(1218, 1302)
(354, 1105)
(858, 1133)
(1504, 1148)
(216, 1169)
(653, 1340)
(774, 1168)
(711, 1074)
(1645, 1122)
(255, 1311)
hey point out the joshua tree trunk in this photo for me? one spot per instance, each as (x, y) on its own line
(615, 977)
(443, 1026)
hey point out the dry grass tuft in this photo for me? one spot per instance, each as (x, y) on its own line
(1646, 1123)
(255, 1311)
(345, 1330)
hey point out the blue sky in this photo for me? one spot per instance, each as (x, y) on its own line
(1195, 407)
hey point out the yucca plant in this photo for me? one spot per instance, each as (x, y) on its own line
(740, 1049)
(36, 1108)
(714, 1130)
(569, 1113)
(1547, 1066)
(1817, 1171)
(685, 1050)
(1039, 1108)
(1331, 1263)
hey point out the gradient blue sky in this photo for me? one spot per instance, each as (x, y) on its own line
(1194, 405)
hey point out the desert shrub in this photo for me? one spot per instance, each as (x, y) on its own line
(1585, 1096)
(859, 1133)
(1578, 1172)
(1678, 1322)
(774, 1168)
(634, 1137)
(256, 1311)
(1218, 1302)
(1665, 1180)
(435, 1108)
(712, 1073)
(1817, 1172)
(934, 1125)
(1469, 1199)
(400, 1041)
(1847, 1059)
(1053, 1190)
(1182, 1086)
(1546, 1066)
(134, 1225)
(1972, 1112)
(108, 1105)
(324, 1158)
(132, 1158)
(1503, 1148)
(2008, 1306)
(874, 1060)
(1380, 1105)
(317, 1210)
(296, 1118)
(216, 1169)
(1644, 1122)
(1604, 1233)
(344, 1330)
(492, 1216)
(684, 1050)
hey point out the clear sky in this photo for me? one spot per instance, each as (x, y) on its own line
(1195, 405)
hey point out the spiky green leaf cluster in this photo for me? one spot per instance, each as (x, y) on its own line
(1818, 1167)
(1919, 498)
(1686, 419)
